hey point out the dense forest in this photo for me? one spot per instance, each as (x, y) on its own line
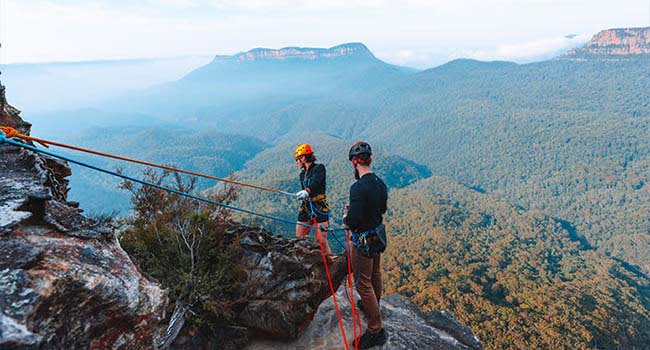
(518, 278)
(569, 138)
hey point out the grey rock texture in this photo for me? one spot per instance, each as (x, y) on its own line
(407, 327)
(285, 282)
(65, 283)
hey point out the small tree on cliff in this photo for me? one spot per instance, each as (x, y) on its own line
(182, 243)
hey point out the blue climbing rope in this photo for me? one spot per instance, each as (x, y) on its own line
(4, 139)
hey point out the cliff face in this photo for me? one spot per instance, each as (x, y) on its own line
(615, 43)
(340, 51)
(65, 283)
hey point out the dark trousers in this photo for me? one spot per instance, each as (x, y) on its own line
(367, 279)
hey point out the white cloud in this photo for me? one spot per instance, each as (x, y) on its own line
(177, 4)
(413, 32)
(529, 51)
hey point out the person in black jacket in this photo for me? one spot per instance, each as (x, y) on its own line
(364, 218)
(314, 199)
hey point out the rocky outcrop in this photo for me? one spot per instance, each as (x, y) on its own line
(344, 50)
(614, 43)
(283, 286)
(285, 283)
(408, 328)
(65, 283)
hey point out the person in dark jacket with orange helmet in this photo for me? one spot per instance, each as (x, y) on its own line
(313, 196)
(364, 217)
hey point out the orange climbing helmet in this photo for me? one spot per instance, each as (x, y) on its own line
(302, 150)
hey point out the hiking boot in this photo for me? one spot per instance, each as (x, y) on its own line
(368, 340)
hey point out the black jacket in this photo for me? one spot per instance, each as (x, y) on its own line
(313, 180)
(368, 198)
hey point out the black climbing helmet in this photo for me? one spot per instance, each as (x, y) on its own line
(359, 148)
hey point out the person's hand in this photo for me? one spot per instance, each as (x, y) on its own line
(302, 194)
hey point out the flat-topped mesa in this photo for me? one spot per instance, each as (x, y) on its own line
(615, 43)
(304, 53)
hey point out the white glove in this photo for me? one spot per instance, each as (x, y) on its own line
(302, 194)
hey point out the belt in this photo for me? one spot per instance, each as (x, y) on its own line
(319, 197)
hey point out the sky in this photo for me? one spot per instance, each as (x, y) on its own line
(416, 33)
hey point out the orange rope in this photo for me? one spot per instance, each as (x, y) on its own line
(331, 284)
(11, 132)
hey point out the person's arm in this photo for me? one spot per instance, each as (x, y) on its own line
(317, 179)
(355, 210)
(384, 198)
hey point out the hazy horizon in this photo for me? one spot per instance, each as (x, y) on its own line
(414, 33)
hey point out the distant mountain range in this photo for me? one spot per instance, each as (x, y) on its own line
(240, 93)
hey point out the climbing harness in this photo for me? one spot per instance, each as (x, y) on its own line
(370, 242)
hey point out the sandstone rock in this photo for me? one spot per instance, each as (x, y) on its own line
(345, 50)
(614, 44)
(283, 286)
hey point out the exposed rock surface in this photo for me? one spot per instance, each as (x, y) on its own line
(65, 283)
(285, 283)
(345, 50)
(407, 327)
(614, 43)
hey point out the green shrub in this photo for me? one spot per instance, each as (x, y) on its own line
(182, 243)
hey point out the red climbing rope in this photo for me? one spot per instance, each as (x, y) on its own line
(329, 280)
(355, 315)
